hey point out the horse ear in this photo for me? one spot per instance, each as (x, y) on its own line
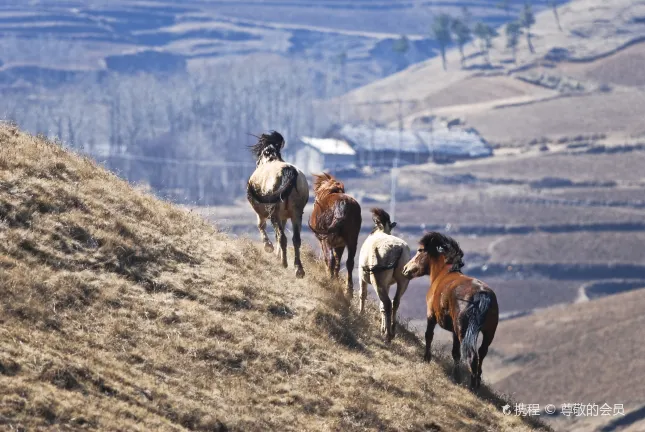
(393, 224)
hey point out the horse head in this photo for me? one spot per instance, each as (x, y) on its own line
(382, 221)
(432, 246)
(268, 148)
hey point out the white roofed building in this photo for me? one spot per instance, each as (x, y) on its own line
(316, 155)
(359, 146)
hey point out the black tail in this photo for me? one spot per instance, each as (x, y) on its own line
(384, 266)
(289, 180)
(473, 317)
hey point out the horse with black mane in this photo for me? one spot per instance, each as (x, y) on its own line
(336, 222)
(277, 191)
(460, 304)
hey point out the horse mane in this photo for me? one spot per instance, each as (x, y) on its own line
(273, 139)
(431, 241)
(379, 215)
(325, 184)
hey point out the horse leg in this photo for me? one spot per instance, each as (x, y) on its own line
(400, 290)
(432, 322)
(456, 356)
(483, 350)
(262, 226)
(351, 253)
(296, 222)
(363, 294)
(338, 255)
(382, 289)
(332, 261)
(281, 239)
(325, 252)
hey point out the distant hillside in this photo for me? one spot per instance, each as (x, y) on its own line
(166, 36)
(587, 353)
(119, 311)
(582, 80)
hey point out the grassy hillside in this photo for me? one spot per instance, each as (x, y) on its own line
(122, 312)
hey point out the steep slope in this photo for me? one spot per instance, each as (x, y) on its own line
(122, 312)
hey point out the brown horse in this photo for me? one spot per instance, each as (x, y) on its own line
(277, 191)
(336, 222)
(460, 304)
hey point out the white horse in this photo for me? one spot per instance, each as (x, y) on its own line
(381, 262)
(277, 191)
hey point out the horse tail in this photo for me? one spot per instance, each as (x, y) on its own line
(387, 265)
(474, 316)
(333, 228)
(335, 225)
(289, 181)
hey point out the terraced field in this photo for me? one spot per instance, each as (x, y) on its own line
(163, 36)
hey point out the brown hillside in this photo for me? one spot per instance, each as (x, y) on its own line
(122, 312)
(590, 352)
(604, 49)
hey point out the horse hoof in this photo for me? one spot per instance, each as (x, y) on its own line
(285, 265)
(268, 247)
(300, 273)
(427, 358)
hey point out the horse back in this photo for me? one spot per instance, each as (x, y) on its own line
(384, 252)
(338, 215)
(451, 294)
(268, 177)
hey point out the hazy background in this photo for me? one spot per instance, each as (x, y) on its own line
(167, 93)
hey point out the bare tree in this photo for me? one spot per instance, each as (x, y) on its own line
(441, 31)
(554, 6)
(527, 19)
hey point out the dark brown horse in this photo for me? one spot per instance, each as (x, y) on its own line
(336, 222)
(460, 304)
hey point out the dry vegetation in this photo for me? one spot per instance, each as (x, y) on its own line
(121, 312)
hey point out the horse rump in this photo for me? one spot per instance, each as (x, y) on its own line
(289, 182)
(330, 222)
(384, 266)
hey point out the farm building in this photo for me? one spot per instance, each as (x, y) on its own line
(360, 146)
(315, 155)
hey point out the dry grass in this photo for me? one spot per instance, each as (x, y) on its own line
(121, 312)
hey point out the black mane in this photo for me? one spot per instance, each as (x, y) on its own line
(379, 215)
(274, 140)
(431, 241)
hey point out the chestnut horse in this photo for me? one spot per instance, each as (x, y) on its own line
(277, 191)
(336, 222)
(460, 304)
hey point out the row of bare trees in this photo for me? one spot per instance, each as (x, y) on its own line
(183, 135)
